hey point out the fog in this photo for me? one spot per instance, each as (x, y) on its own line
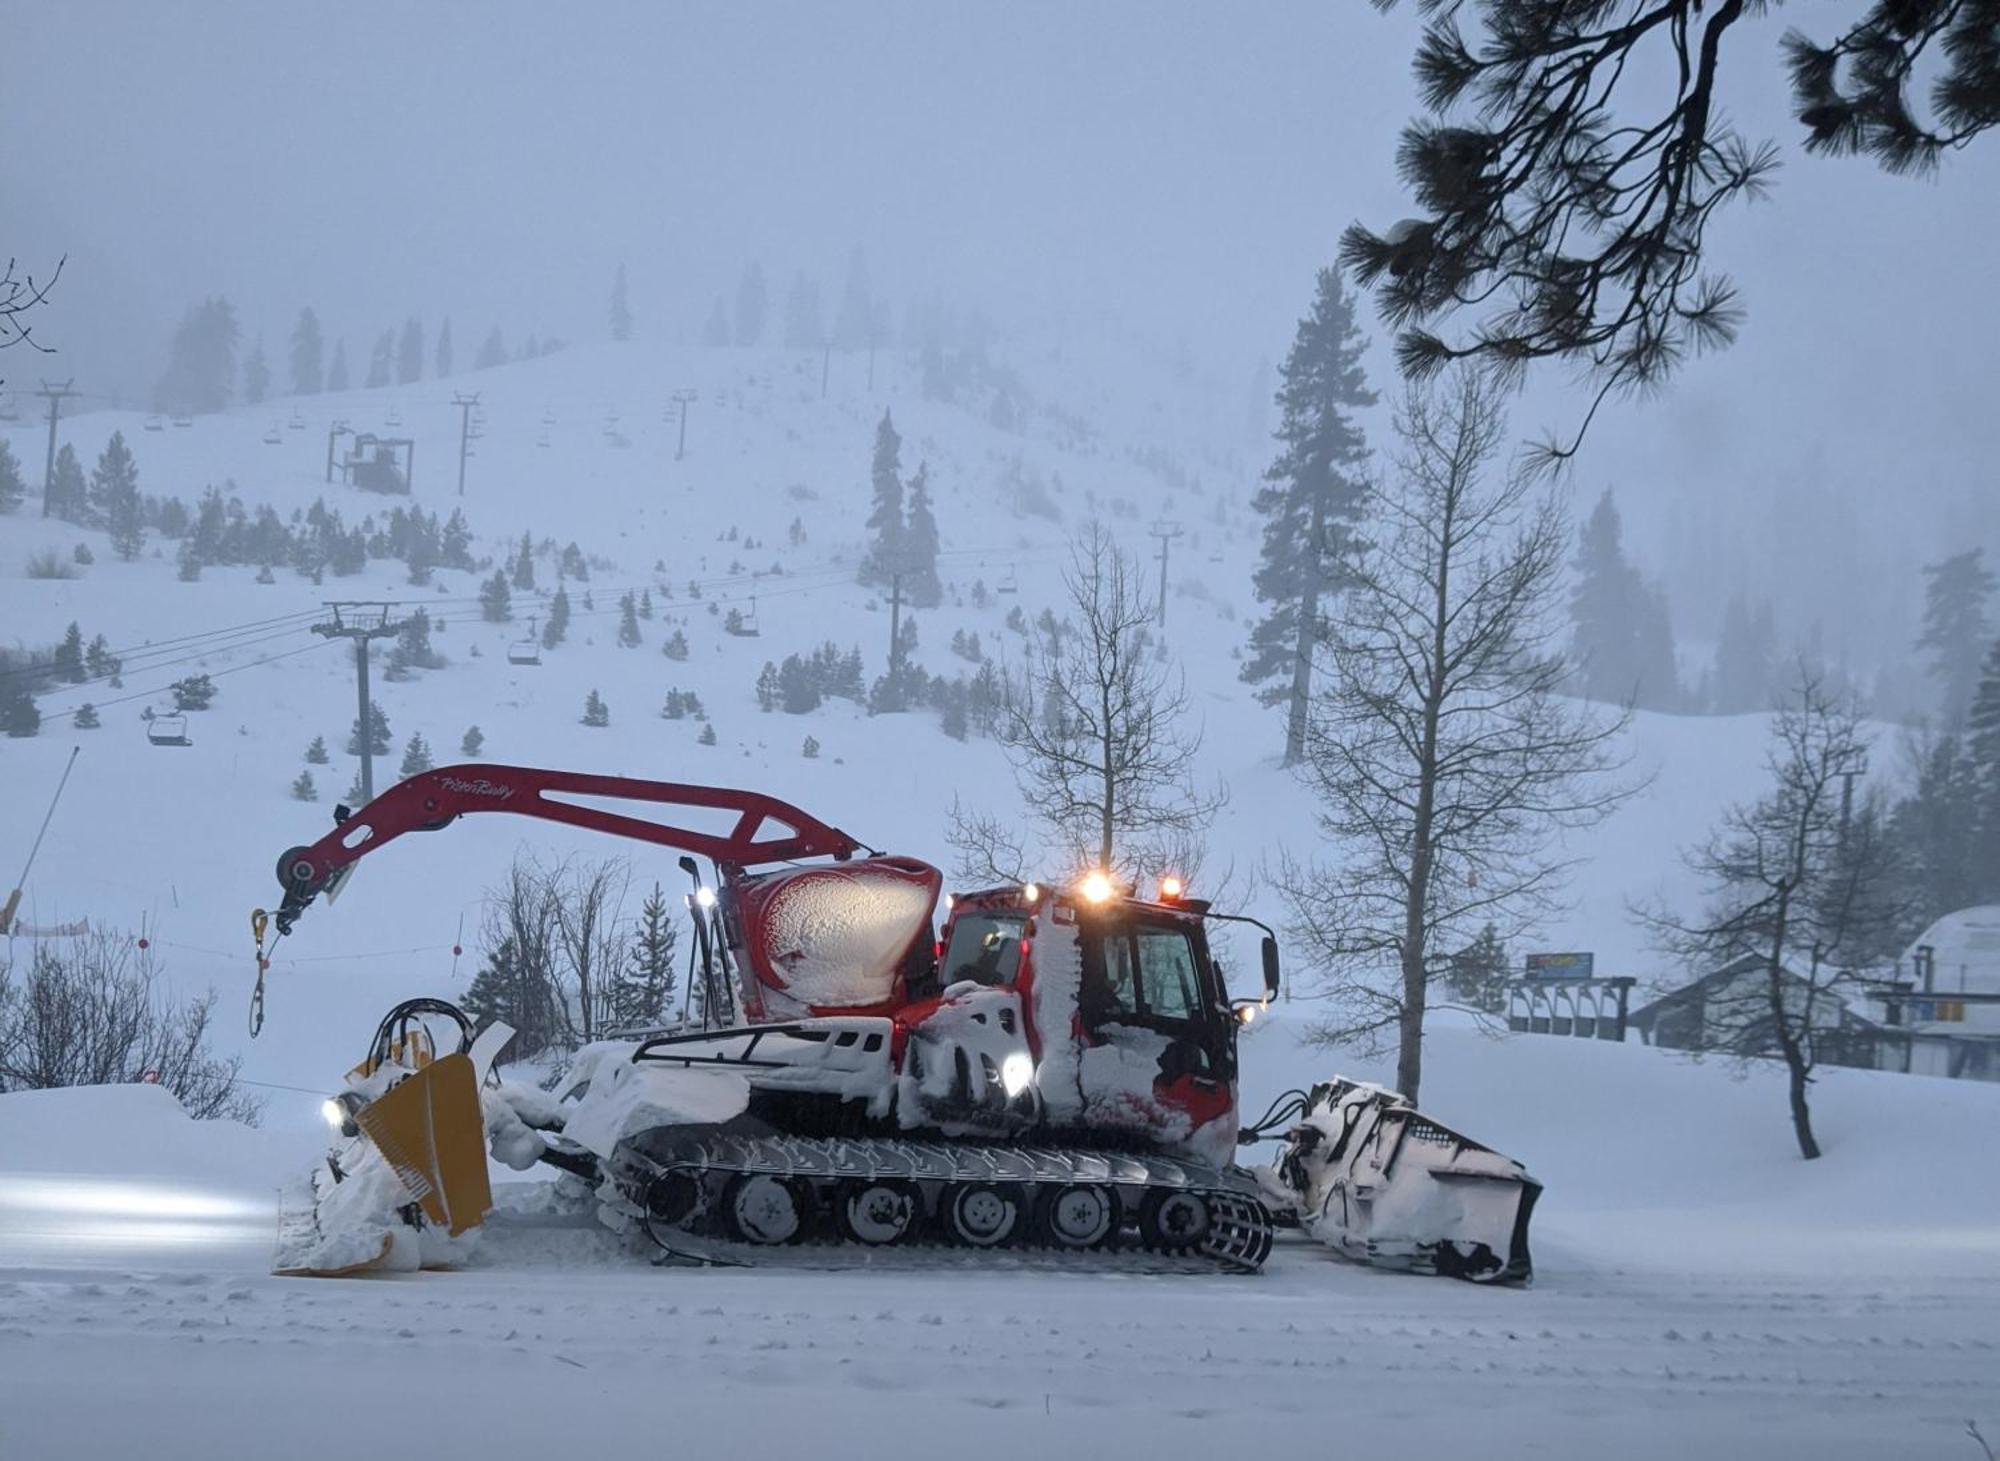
(1174, 173)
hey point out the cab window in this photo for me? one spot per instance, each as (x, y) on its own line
(1148, 974)
(985, 948)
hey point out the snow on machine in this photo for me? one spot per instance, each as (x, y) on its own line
(1055, 1067)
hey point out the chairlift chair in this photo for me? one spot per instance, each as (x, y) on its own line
(275, 436)
(1010, 584)
(297, 423)
(168, 730)
(182, 418)
(526, 651)
(154, 423)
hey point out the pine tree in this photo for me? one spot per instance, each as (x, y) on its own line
(1936, 830)
(455, 542)
(798, 686)
(492, 353)
(810, 750)
(86, 717)
(621, 309)
(416, 756)
(336, 375)
(410, 352)
(444, 348)
(557, 628)
(13, 487)
(308, 353)
(304, 789)
(920, 545)
(114, 491)
(706, 738)
(68, 492)
(752, 301)
(1744, 660)
(382, 362)
(1983, 752)
(595, 712)
(1311, 503)
(803, 330)
(885, 519)
(67, 664)
(1621, 641)
(524, 564)
(20, 717)
(854, 322)
(472, 742)
(521, 993)
(716, 334)
(316, 752)
(647, 989)
(196, 692)
(496, 603)
(201, 360)
(1479, 973)
(768, 691)
(645, 603)
(676, 646)
(98, 660)
(379, 739)
(628, 621)
(1956, 628)
(256, 375)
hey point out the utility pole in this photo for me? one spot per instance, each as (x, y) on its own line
(333, 434)
(465, 402)
(825, 364)
(682, 399)
(362, 622)
(896, 640)
(1855, 765)
(54, 396)
(1166, 532)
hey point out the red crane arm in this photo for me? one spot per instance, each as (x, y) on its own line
(434, 799)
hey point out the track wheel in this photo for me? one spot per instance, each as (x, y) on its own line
(981, 1215)
(878, 1213)
(673, 1197)
(1082, 1215)
(764, 1209)
(1172, 1220)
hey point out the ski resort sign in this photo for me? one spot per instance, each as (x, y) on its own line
(1561, 966)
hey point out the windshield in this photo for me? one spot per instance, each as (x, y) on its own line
(985, 948)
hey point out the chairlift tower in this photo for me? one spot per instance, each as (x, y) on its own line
(465, 403)
(361, 622)
(54, 395)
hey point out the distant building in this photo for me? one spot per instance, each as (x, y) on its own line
(1729, 1012)
(1939, 1011)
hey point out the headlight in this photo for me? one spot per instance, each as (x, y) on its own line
(334, 1112)
(1017, 1073)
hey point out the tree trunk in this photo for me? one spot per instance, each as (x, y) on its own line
(1801, 1112)
(1302, 662)
(1410, 1022)
(1798, 1071)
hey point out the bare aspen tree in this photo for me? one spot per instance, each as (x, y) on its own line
(1095, 727)
(1444, 760)
(1801, 897)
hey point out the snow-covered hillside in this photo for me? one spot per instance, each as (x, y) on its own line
(182, 841)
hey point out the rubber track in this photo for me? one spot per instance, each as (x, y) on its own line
(1238, 1239)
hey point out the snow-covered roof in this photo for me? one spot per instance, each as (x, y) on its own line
(1965, 951)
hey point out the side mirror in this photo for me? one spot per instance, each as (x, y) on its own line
(1270, 967)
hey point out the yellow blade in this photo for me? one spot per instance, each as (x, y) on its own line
(430, 1130)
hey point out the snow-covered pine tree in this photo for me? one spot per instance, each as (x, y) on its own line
(308, 356)
(304, 789)
(1983, 751)
(68, 493)
(444, 348)
(382, 362)
(595, 712)
(379, 739)
(557, 627)
(67, 663)
(256, 374)
(645, 603)
(98, 660)
(1311, 503)
(645, 996)
(628, 621)
(472, 742)
(621, 307)
(706, 738)
(316, 753)
(496, 601)
(524, 564)
(13, 486)
(410, 353)
(885, 518)
(676, 646)
(493, 352)
(1621, 640)
(416, 756)
(86, 717)
(114, 497)
(768, 692)
(810, 750)
(336, 373)
(1956, 629)
(1744, 659)
(920, 545)
(752, 302)
(803, 330)
(195, 692)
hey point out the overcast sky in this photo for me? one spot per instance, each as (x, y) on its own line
(1187, 166)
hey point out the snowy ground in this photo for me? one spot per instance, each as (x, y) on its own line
(1699, 1291)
